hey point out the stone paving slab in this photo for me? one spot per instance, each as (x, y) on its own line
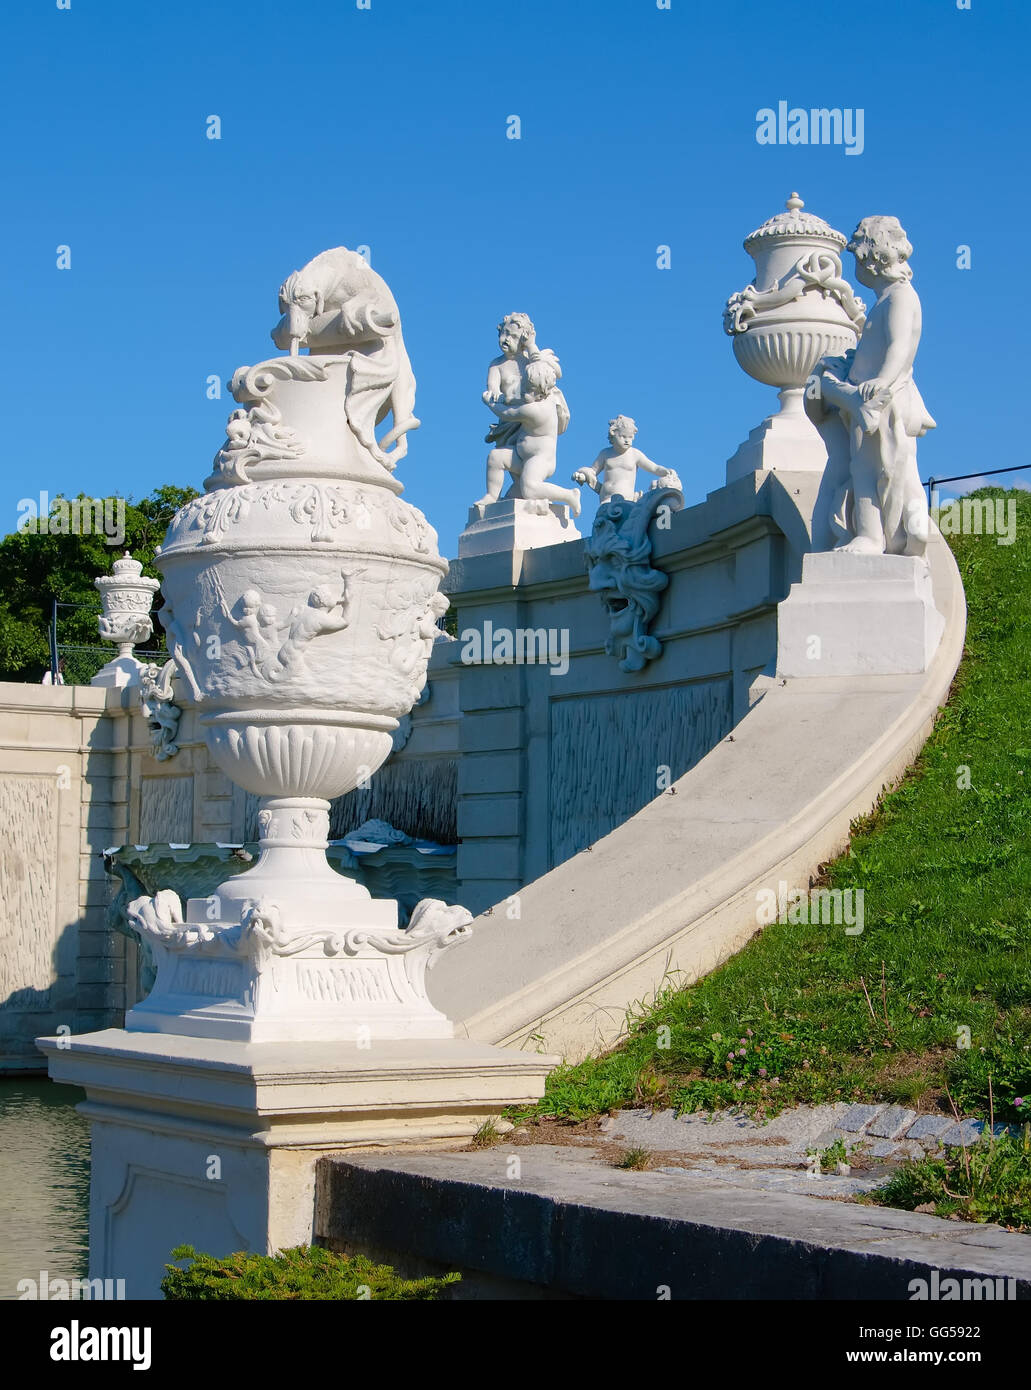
(859, 1116)
(929, 1127)
(892, 1122)
(727, 1139)
(965, 1133)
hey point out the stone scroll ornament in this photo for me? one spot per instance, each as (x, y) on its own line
(301, 604)
(619, 553)
(869, 395)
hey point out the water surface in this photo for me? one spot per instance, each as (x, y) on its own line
(44, 1183)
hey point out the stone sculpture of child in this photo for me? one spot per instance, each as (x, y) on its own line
(540, 417)
(614, 472)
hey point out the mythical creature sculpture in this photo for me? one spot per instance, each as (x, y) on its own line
(619, 551)
(159, 709)
(337, 305)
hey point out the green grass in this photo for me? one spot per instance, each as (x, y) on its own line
(304, 1273)
(811, 1014)
(989, 1182)
(636, 1159)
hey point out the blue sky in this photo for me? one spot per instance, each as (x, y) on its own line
(387, 127)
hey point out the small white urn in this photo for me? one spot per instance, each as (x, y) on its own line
(302, 599)
(126, 596)
(797, 310)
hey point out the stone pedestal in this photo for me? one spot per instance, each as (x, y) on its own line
(858, 615)
(786, 441)
(119, 672)
(214, 1143)
(515, 523)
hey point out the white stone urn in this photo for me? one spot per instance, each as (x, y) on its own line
(126, 596)
(302, 598)
(797, 310)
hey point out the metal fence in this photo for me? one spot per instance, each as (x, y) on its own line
(933, 482)
(77, 662)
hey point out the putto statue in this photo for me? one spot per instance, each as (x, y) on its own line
(522, 390)
(880, 507)
(338, 305)
(614, 472)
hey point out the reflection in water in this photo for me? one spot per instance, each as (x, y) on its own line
(44, 1183)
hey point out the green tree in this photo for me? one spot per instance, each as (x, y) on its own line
(37, 568)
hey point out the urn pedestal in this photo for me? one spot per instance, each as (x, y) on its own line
(289, 1016)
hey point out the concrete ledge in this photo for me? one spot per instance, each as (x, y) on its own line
(569, 1227)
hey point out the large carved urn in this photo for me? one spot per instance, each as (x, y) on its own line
(302, 598)
(797, 310)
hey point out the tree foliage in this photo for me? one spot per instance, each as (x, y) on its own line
(37, 568)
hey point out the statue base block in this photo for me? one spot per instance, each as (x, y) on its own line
(785, 442)
(515, 523)
(119, 673)
(215, 1143)
(858, 615)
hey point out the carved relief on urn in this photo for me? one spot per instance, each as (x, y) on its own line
(797, 310)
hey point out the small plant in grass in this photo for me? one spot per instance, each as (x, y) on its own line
(831, 1156)
(990, 1181)
(636, 1159)
(305, 1272)
(487, 1135)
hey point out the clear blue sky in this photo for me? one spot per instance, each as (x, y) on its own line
(387, 127)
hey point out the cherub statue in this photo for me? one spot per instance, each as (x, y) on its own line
(326, 611)
(539, 419)
(881, 506)
(619, 464)
(259, 628)
(506, 383)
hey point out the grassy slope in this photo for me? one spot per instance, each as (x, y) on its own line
(946, 871)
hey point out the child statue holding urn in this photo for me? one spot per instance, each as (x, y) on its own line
(882, 507)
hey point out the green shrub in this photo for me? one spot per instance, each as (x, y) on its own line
(304, 1272)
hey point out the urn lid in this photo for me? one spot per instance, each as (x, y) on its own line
(127, 567)
(794, 225)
